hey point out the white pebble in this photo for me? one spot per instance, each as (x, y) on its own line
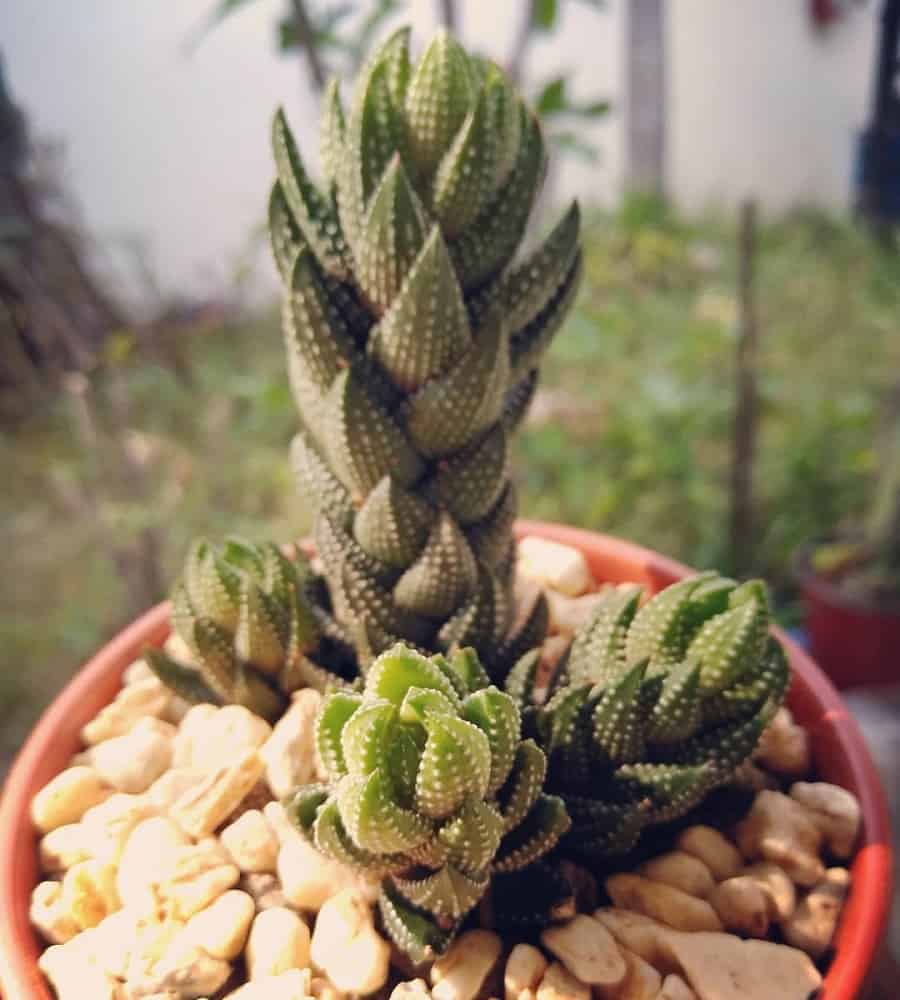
(202, 808)
(133, 761)
(289, 753)
(67, 797)
(346, 946)
(279, 940)
(149, 697)
(461, 971)
(251, 842)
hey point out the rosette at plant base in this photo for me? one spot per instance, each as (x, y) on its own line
(248, 618)
(413, 342)
(654, 706)
(431, 789)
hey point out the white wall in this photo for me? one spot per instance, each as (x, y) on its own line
(758, 104)
(174, 147)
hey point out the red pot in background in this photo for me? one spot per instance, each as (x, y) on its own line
(856, 644)
(838, 746)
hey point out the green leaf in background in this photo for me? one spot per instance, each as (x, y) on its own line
(570, 142)
(552, 97)
(544, 14)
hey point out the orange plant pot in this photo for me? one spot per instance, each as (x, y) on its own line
(839, 749)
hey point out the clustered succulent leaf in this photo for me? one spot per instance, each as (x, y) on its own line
(413, 341)
(250, 624)
(431, 789)
(654, 706)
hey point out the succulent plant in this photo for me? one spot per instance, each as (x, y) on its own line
(249, 623)
(413, 342)
(431, 790)
(654, 706)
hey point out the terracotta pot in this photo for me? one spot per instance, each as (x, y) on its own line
(840, 753)
(855, 643)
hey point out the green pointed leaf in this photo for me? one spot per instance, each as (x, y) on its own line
(469, 483)
(419, 702)
(212, 587)
(284, 233)
(505, 116)
(395, 55)
(535, 836)
(456, 762)
(465, 664)
(366, 735)
(729, 645)
(460, 684)
(529, 634)
(518, 400)
(185, 681)
(411, 929)
(317, 484)
(677, 715)
(447, 893)
(426, 328)
(401, 668)
(673, 788)
(183, 616)
(519, 683)
(451, 410)
(364, 443)
(393, 524)
(331, 839)
(318, 342)
(258, 637)
(490, 538)
(661, 629)
(496, 715)
(442, 576)
(524, 784)
(336, 712)
(371, 606)
(532, 285)
(598, 649)
(464, 181)
(617, 717)
(528, 345)
(487, 246)
(373, 134)
(312, 211)
(303, 805)
(373, 819)
(481, 621)
(393, 235)
(473, 834)
(251, 691)
(215, 658)
(332, 132)
(439, 97)
(301, 672)
(769, 683)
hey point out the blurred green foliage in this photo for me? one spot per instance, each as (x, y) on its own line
(630, 433)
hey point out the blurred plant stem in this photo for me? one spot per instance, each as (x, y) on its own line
(307, 42)
(116, 472)
(746, 408)
(448, 14)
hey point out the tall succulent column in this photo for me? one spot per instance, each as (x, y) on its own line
(413, 342)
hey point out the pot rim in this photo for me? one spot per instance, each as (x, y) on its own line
(824, 590)
(859, 934)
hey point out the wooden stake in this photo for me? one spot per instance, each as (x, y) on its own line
(746, 410)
